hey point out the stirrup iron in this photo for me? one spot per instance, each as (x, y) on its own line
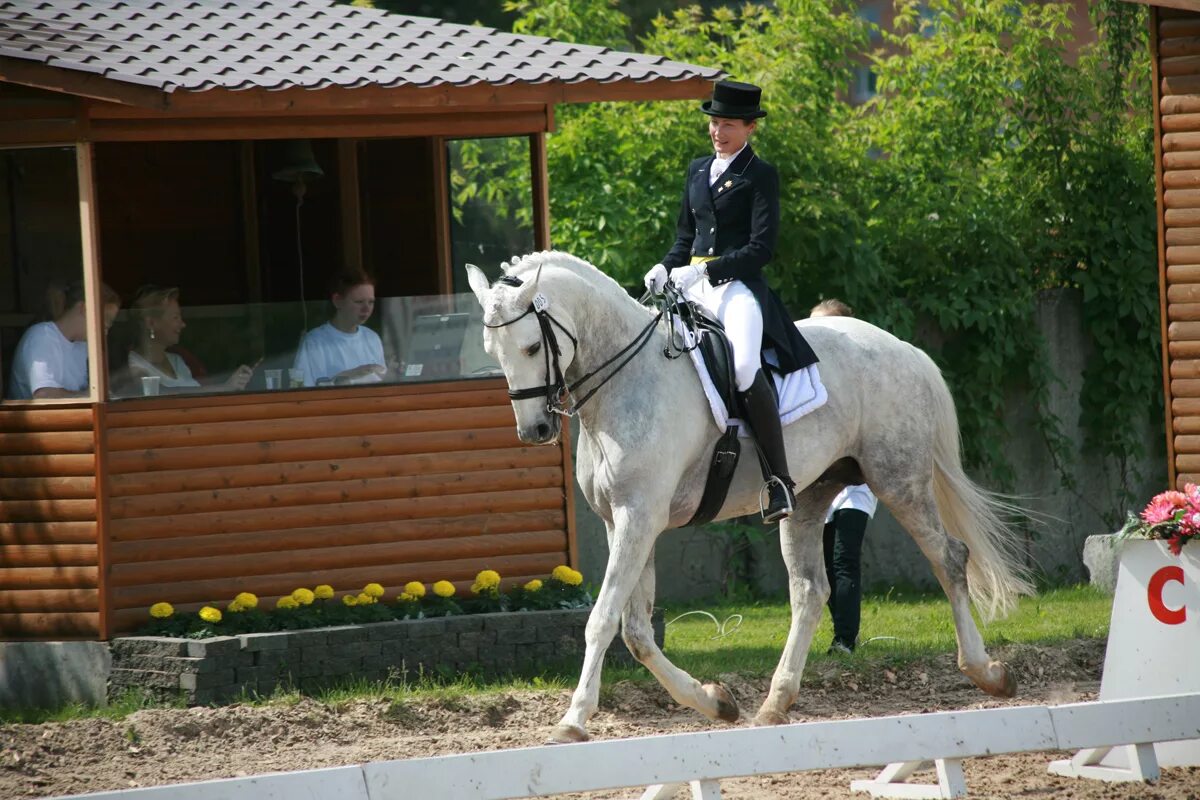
(764, 499)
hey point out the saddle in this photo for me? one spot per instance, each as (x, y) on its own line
(717, 354)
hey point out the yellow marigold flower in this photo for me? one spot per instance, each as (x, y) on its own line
(533, 585)
(364, 599)
(161, 610)
(415, 589)
(287, 601)
(303, 596)
(373, 590)
(210, 614)
(246, 600)
(488, 579)
(443, 589)
(405, 597)
(349, 600)
(234, 606)
(323, 592)
(567, 575)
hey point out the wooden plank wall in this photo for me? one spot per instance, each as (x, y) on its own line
(211, 497)
(49, 570)
(1177, 89)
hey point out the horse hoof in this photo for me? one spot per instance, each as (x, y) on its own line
(1007, 685)
(768, 718)
(727, 708)
(564, 733)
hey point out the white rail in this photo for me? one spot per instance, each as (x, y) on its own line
(701, 760)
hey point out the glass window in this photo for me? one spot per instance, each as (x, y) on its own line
(302, 263)
(491, 204)
(43, 325)
(363, 340)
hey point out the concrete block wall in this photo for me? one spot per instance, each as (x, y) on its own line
(222, 669)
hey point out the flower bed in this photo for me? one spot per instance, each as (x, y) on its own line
(223, 669)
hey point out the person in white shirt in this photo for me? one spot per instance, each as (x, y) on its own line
(51, 360)
(344, 350)
(845, 529)
(159, 322)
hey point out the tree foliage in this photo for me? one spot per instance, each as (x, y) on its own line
(993, 165)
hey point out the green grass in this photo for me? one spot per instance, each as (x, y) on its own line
(897, 627)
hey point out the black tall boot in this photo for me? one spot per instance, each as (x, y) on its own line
(762, 412)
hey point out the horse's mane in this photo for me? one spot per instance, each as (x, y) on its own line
(528, 265)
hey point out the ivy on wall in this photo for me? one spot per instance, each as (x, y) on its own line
(995, 163)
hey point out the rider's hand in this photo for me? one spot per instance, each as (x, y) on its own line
(683, 277)
(656, 279)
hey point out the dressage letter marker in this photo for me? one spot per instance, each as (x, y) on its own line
(1153, 650)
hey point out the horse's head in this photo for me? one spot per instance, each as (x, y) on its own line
(523, 331)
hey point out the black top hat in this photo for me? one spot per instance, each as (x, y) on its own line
(734, 100)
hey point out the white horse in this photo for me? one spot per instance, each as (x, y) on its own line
(647, 437)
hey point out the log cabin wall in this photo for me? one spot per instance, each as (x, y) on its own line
(49, 554)
(1177, 124)
(268, 493)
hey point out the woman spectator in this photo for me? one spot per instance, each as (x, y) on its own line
(158, 322)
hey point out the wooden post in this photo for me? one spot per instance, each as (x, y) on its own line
(541, 190)
(97, 362)
(94, 304)
(441, 205)
(1172, 471)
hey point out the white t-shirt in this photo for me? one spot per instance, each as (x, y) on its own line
(326, 351)
(45, 359)
(853, 497)
(183, 376)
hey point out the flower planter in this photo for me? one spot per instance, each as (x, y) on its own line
(222, 669)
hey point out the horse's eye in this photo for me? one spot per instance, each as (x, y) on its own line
(532, 350)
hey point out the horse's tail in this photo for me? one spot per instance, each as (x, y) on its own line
(976, 517)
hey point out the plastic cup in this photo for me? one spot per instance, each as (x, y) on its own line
(274, 378)
(151, 385)
(295, 378)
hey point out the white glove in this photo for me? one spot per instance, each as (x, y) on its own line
(656, 279)
(683, 277)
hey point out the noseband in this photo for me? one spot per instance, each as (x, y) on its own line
(559, 393)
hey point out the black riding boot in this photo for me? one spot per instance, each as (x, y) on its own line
(762, 412)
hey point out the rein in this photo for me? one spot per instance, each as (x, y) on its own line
(559, 393)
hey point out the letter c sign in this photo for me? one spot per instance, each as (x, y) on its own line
(1154, 596)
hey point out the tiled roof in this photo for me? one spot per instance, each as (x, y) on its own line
(199, 45)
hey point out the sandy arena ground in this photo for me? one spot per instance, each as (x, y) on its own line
(160, 746)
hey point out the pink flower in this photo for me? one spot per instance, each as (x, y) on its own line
(1164, 506)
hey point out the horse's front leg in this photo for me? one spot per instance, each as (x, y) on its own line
(630, 545)
(710, 699)
(808, 588)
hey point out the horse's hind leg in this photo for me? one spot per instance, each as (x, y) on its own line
(948, 557)
(808, 588)
(712, 700)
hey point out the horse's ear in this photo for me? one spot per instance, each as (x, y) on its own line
(529, 289)
(479, 283)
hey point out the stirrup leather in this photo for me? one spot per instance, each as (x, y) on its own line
(764, 500)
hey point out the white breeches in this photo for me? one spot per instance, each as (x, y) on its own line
(735, 306)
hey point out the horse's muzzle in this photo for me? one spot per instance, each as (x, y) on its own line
(544, 431)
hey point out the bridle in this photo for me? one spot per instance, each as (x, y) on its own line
(559, 393)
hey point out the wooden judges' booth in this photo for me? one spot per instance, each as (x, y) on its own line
(242, 152)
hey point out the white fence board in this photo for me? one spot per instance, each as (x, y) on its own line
(343, 783)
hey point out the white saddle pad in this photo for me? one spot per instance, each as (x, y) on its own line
(799, 392)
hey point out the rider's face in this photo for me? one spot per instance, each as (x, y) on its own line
(729, 135)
